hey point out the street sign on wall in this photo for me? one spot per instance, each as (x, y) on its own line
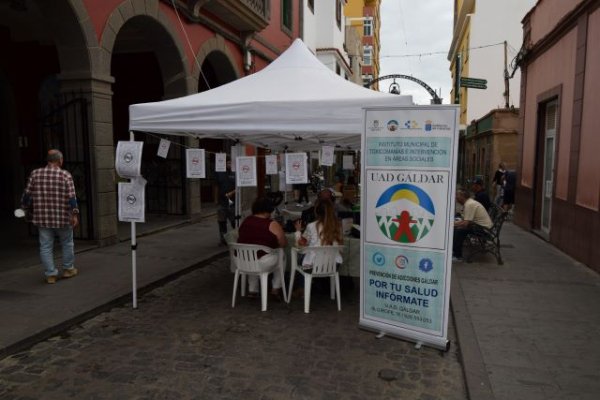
(473, 83)
(407, 210)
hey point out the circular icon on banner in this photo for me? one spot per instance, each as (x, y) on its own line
(425, 265)
(401, 262)
(128, 157)
(296, 165)
(392, 125)
(405, 213)
(378, 259)
(131, 199)
(245, 169)
(195, 160)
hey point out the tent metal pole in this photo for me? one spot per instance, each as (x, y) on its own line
(238, 191)
(133, 253)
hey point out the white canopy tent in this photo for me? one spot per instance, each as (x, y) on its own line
(295, 102)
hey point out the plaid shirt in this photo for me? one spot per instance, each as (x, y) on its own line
(52, 192)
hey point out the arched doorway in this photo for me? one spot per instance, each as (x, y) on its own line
(144, 60)
(40, 42)
(217, 70)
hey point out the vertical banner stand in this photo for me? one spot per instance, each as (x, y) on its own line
(133, 253)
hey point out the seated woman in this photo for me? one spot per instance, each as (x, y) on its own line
(325, 231)
(260, 229)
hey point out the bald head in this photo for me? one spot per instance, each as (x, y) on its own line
(54, 157)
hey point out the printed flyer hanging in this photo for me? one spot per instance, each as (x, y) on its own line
(195, 167)
(246, 171)
(221, 162)
(296, 168)
(128, 159)
(271, 164)
(327, 155)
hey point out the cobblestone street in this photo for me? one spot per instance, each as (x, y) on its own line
(186, 342)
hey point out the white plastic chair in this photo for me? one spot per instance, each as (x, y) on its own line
(246, 261)
(323, 266)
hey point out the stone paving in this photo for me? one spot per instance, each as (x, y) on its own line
(186, 342)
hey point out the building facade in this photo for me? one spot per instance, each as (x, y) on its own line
(70, 69)
(323, 31)
(477, 51)
(558, 188)
(487, 142)
(364, 16)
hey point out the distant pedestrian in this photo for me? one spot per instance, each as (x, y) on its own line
(226, 197)
(498, 183)
(50, 191)
(479, 193)
(510, 182)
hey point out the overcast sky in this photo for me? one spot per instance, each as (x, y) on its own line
(410, 27)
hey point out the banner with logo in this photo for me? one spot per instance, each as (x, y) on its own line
(408, 177)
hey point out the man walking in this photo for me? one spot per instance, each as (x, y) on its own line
(51, 193)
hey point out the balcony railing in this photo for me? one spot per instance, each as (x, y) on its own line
(242, 15)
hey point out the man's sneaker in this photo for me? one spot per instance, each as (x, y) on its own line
(457, 259)
(69, 273)
(51, 279)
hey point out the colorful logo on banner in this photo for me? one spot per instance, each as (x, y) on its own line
(405, 213)
(392, 125)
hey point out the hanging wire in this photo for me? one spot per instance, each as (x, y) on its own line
(437, 52)
(190, 44)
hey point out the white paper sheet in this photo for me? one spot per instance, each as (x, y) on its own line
(221, 162)
(128, 159)
(271, 164)
(296, 168)
(163, 148)
(348, 162)
(132, 201)
(246, 171)
(195, 165)
(327, 155)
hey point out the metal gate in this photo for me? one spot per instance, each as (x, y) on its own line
(65, 126)
(165, 190)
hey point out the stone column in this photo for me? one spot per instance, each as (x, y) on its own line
(97, 89)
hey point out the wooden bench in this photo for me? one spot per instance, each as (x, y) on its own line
(487, 240)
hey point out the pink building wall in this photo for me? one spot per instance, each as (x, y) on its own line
(588, 188)
(546, 14)
(100, 11)
(553, 68)
(562, 61)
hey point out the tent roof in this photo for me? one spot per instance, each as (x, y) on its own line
(295, 96)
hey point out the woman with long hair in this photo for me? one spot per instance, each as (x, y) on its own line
(325, 231)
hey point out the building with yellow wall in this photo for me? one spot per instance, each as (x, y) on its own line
(364, 16)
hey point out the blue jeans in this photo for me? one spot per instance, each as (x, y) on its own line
(65, 235)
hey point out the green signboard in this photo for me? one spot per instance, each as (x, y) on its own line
(473, 83)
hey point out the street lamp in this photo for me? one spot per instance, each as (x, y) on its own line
(394, 88)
